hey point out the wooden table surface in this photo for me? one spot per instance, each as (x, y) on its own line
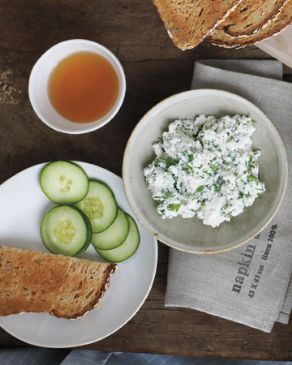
(154, 69)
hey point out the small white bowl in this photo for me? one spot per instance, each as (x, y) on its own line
(39, 78)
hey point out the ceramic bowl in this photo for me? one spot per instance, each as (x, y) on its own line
(39, 78)
(191, 235)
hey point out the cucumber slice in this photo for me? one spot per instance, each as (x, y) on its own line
(113, 236)
(65, 230)
(64, 182)
(127, 248)
(99, 206)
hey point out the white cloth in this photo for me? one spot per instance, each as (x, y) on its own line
(279, 46)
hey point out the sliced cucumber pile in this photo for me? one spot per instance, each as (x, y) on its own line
(99, 206)
(127, 248)
(65, 230)
(64, 182)
(115, 235)
(88, 213)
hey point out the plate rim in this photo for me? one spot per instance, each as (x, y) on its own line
(126, 176)
(155, 248)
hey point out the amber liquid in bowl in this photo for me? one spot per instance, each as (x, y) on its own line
(83, 87)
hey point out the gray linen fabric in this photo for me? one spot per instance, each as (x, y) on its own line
(249, 285)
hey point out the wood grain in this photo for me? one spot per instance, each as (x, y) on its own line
(155, 69)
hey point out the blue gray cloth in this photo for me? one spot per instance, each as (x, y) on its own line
(42, 356)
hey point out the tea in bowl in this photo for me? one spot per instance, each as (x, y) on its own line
(77, 86)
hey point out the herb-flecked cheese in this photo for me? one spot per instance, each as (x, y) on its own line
(205, 167)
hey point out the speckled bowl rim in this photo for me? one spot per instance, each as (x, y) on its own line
(175, 244)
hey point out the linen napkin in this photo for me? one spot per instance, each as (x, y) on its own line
(251, 284)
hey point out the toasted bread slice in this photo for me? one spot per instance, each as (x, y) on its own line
(40, 282)
(279, 23)
(188, 22)
(249, 17)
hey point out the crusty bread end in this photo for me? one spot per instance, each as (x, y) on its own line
(273, 27)
(249, 17)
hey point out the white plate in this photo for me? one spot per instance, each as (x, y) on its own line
(22, 205)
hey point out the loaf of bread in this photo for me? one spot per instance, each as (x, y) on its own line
(274, 26)
(227, 23)
(249, 17)
(188, 22)
(40, 282)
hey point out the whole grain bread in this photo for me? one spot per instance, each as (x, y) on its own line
(40, 282)
(188, 22)
(249, 17)
(279, 23)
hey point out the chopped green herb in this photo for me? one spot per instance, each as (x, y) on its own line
(252, 178)
(191, 158)
(156, 162)
(200, 188)
(214, 168)
(174, 207)
(217, 188)
(227, 215)
(170, 161)
(167, 194)
(250, 163)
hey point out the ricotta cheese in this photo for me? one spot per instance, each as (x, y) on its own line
(205, 167)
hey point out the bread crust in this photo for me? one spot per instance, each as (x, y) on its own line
(62, 286)
(275, 26)
(188, 22)
(249, 17)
